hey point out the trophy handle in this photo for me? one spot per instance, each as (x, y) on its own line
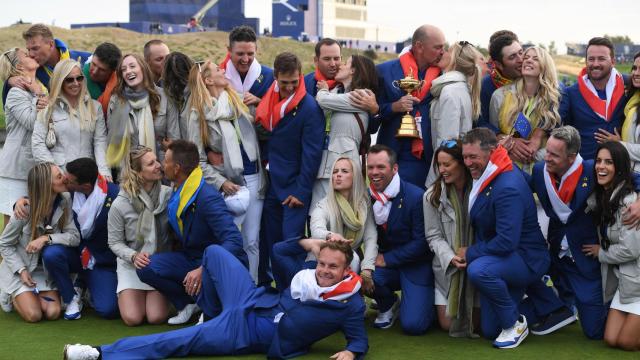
(396, 84)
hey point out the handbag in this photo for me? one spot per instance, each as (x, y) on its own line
(364, 144)
(50, 139)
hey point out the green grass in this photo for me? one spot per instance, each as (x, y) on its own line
(46, 340)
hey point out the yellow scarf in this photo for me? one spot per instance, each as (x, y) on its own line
(64, 54)
(187, 194)
(630, 116)
(353, 223)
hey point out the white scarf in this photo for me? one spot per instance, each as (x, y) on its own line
(304, 287)
(146, 132)
(477, 184)
(559, 207)
(87, 209)
(382, 206)
(235, 79)
(611, 84)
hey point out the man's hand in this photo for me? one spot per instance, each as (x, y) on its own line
(380, 261)
(404, 104)
(591, 250)
(42, 102)
(322, 85)
(250, 99)
(603, 135)
(229, 188)
(141, 260)
(311, 245)
(343, 355)
(21, 82)
(367, 282)
(520, 150)
(364, 99)
(36, 245)
(21, 208)
(631, 215)
(292, 202)
(193, 282)
(26, 279)
(459, 262)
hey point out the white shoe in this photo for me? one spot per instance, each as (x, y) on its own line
(5, 302)
(184, 315)
(512, 337)
(72, 312)
(80, 352)
(385, 320)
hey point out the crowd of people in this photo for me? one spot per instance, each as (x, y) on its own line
(157, 187)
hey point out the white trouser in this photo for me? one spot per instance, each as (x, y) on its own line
(249, 224)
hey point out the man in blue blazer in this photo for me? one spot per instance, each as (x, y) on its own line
(295, 126)
(509, 252)
(254, 319)
(327, 62)
(414, 156)
(199, 217)
(563, 182)
(404, 258)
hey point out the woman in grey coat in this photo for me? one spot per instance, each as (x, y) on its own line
(346, 124)
(138, 227)
(72, 125)
(447, 229)
(619, 248)
(456, 97)
(20, 114)
(23, 241)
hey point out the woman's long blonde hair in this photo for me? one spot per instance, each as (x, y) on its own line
(464, 57)
(86, 111)
(41, 197)
(131, 179)
(546, 109)
(358, 199)
(200, 99)
(9, 64)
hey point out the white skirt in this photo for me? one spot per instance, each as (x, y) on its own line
(128, 278)
(42, 283)
(10, 191)
(631, 308)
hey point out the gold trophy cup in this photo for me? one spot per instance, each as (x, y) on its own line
(408, 127)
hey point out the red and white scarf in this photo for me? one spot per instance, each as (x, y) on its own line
(499, 162)
(271, 109)
(304, 287)
(232, 74)
(410, 66)
(87, 210)
(614, 89)
(560, 198)
(320, 77)
(382, 205)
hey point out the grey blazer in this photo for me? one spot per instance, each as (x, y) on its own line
(71, 142)
(322, 224)
(20, 111)
(17, 235)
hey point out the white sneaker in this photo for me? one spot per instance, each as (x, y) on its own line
(73, 309)
(80, 352)
(5, 302)
(512, 337)
(184, 315)
(385, 320)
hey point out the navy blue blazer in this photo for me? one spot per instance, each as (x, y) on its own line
(305, 323)
(389, 122)
(207, 221)
(295, 151)
(263, 82)
(504, 220)
(97, 242)
(403, 243)
(580, 228)
(310, 83)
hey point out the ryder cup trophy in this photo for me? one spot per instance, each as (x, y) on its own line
(408, 127)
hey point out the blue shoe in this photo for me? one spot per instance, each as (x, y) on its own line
(512, 337)
(554, 321)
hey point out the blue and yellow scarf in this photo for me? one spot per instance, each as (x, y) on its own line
(182, 198)
(64, 54)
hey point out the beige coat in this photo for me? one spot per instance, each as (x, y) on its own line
(17, 235)
(322, 224)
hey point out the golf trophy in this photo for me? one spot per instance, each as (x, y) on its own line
(408, 128)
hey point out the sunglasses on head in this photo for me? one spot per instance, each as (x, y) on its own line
(462, 45)
(70, 80)
(448, 144)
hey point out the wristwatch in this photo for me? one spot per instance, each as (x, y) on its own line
(49, 240)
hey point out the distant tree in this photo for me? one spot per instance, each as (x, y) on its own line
(619, 39)
(552, 48)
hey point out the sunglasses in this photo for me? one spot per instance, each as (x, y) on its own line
(462, 45)
(449, 144)
(70, 80)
